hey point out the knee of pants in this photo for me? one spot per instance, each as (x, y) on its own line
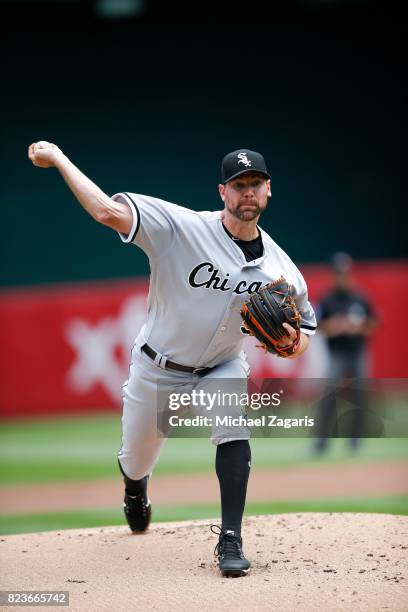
(222, 438)
(136, 464)
(231, 426)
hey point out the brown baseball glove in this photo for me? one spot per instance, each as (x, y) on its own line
(264, 313)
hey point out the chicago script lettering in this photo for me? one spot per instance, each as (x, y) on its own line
(206, 275)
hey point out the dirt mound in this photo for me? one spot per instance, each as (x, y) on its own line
(300, 562)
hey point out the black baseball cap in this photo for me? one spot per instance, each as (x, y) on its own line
(240, 161)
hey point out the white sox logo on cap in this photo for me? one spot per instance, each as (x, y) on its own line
(242, 159)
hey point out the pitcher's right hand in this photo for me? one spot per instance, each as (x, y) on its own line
(44, 154)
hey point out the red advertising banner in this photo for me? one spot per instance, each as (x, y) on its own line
(67, 348)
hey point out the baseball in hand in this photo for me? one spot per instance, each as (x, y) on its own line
(43, 154)
(43, 144)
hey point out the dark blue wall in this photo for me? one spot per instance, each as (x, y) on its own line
(152, 109)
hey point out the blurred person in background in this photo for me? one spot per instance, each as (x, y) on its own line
(346, 319)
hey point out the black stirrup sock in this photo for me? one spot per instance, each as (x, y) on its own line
(134, 487)
(232, 464)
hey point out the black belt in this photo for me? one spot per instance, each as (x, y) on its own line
(172, 365)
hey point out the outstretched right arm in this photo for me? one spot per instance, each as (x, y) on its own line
(100, 206)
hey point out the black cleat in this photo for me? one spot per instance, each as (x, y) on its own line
(138, 512)
(231, 559)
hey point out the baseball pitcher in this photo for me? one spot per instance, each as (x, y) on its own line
(215, 275)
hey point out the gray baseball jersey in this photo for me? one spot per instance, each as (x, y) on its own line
(200, 279)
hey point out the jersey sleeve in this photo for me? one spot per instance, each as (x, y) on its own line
(308, 322)
(154, 223)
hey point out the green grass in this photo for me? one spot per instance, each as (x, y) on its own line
(102, 517)
(85, 447)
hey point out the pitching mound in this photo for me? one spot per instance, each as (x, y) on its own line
(302, 562)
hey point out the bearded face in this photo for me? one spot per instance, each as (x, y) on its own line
(246, 196)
